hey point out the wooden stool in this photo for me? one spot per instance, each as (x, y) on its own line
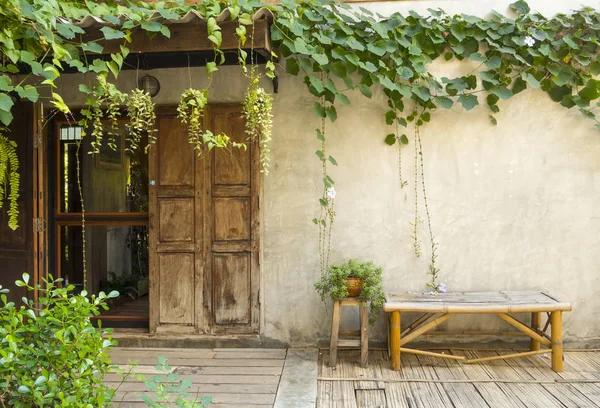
(363, 333)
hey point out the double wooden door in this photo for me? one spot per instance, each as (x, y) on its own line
(204, 229)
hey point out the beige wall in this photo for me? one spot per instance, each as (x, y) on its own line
(513, 206)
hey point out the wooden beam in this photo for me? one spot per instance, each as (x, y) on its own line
(515, 355)
(425, 328)
(186, 37)
(416, 323)
(430, 353)
(525, 329)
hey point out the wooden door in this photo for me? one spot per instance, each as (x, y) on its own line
(203, 230)
(16, 247)
(232, 191)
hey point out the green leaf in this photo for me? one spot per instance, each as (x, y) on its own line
(519, 85)
(316, 83)
(92, 47)
(338, 69)
(557, 93)
(152, 26)
(365, 90)
(6, 83)
(343, 99)
(112, 34)
(444, 102)
(331, 113)
(389, 117)
(23, 389)
(457, 31)
(28, 92)
(333, 161)
(114, 68)
(468, 101)
(320, 154)
(520, 7)
(321, 58)
(422, 92)
(532, 81)
(291, 66)
(5, 117)
(426, 117)
(300, 46)
(6, 102)
(563, 76)
(590, 90)
(494, 62)
(404, 139)
(319, 110)
(211, 67)
(320, 135)
(502, 92)
(390, 139)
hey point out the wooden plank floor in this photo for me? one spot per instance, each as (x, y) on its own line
(434, 382)
(234, 378)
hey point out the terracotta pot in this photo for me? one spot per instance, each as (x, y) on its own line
(354, 286)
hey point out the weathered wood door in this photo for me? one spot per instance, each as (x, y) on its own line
(204, 230)
(23, 250)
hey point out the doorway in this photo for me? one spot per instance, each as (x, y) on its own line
(204, 229)
(109, 251)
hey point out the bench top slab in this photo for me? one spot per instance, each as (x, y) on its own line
(474, 302)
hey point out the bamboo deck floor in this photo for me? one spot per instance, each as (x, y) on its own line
(429, 382)
(234, 378)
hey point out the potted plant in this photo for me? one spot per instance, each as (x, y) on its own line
(354, 279)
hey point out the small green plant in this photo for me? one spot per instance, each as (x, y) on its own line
(258, 106)
(9, 178)
(334, 284)
(171, 390)
(50, 353)
(140, 110)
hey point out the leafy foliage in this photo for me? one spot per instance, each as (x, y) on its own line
(171, 390)
(334, 284)
(50, 353)
(140, 110)
(9, 178)
(258, 106)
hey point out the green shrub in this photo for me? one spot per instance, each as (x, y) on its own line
(334, 284)
(50, 353)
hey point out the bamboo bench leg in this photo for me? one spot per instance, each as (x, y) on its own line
(536, 318)
(557, 341)
(335, 328)
(395, 340)
(364, 336)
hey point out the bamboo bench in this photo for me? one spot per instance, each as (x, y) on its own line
(439, 308)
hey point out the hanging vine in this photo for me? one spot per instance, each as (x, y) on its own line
(9, 178)
(142, 118)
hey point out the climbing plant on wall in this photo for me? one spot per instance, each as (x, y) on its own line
(336, 48)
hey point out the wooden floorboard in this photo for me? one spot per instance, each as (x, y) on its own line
(427, 381)
(233, 378)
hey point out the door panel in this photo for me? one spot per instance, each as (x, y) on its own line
(234, 236)
(176, 295)
(232, 288)
(175, 236)
(204, 240)
(16, 247)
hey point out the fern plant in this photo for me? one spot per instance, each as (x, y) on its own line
(9, 179)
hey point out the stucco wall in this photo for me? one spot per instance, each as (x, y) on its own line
(513, 206)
